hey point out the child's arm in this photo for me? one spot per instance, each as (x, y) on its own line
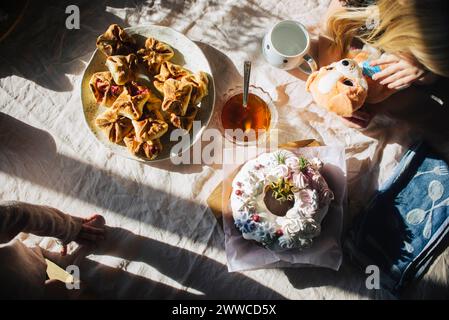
(16, 217)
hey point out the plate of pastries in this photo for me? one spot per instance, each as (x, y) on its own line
(141, 84)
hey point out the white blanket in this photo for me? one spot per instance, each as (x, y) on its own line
(165, 242)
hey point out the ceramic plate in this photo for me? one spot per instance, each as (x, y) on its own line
(187, 54)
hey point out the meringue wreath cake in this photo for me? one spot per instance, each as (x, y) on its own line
(138, 116)
(280, 199)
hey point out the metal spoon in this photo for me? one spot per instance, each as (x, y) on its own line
(246, 76)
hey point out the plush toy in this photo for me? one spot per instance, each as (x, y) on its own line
(344, 86)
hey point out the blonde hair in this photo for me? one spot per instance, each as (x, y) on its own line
(417, 28)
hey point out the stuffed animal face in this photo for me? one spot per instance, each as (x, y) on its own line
(339, 87)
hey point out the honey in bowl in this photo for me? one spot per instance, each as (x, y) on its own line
(256, 116)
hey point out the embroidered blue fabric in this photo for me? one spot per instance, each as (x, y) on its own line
(406, 220)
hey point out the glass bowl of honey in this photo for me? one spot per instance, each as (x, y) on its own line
(251, 124)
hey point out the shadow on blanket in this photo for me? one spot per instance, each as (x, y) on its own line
(351, 279)
(44, 51)
(30, 154)
(187, 268)
(423, 110)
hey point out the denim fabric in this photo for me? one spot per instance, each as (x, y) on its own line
(405, 221)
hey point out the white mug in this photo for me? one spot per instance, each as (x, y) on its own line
(286, 46)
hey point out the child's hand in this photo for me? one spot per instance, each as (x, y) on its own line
(92, 231)
(398, 74)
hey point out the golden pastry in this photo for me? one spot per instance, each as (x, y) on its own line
(104, 89)
(122, 68)
(153, 102)
(115, 41)
(116, 127)
(176, 96)
(154, 54)
(136, 115)
(149, 149)
(149, 129)
(152, 111)
(132, 100)
(184, 122)
(199, 82)
(169, 71)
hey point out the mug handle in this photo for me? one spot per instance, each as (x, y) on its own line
(311, 62)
